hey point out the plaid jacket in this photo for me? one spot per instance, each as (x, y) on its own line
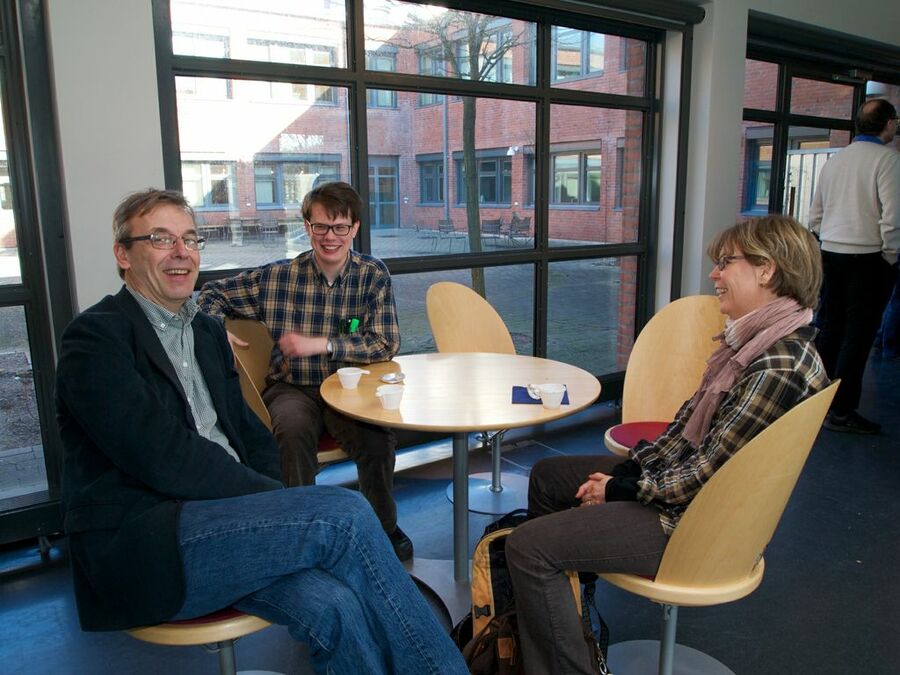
(672, 471)
(294, 297)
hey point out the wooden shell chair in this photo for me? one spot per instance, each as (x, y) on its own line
(463, 321)
(715, 554)
(664, 369)
(253, 365)
(220, 629)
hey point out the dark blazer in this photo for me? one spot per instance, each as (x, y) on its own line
(132, 454)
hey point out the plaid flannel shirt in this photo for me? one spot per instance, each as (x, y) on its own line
(673, 471)
(294, 297)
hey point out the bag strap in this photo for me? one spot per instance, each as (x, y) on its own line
(599, 643)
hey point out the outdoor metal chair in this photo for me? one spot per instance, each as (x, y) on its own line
(491, 229)
(447, 231)
(519, 231)
(269, 232)
(236, 228)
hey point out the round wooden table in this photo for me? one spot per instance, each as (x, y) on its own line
(459, 393)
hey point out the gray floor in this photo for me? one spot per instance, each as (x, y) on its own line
(829, 603)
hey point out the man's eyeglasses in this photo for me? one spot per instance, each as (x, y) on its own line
(340, 229)
(726, 260)
(166, 242)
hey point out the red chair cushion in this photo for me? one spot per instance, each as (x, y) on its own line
(630, 433)
(221, 615)
(327, 442)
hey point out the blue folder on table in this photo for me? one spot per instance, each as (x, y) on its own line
(521, 395)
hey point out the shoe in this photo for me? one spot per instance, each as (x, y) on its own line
(402, 544)
(851, 423)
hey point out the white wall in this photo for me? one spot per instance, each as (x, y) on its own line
(717, 105)
(104, 70)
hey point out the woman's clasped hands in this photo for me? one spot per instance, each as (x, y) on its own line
(593, 491)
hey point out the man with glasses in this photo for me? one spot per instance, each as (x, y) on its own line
(327, 308)
(856, 214)
(171, 492)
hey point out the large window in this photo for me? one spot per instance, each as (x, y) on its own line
(292, 52)
(577, 53)
(481, 162)
(494, 180)
(385, 61)
(801, 93)
(208, 185)
(35, 291)
(285, 183)
(576, 178)
(431, 181)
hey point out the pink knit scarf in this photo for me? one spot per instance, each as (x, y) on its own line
(742, 341)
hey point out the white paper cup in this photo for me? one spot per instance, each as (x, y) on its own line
(552, 395)
(350, 376)
(390, 395)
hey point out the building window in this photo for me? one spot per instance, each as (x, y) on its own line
(291, 52)
(759, 176)
(577, 53)
(494, 180)
(431, 62)
(620, 171)
(576, 178)
(209, 185)
(384, 61)
(431, 182)
(285, 183)
(198, 44)
(494, 58)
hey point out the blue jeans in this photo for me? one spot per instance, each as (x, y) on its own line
(316, 560)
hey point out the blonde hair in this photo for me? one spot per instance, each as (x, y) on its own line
(783, 242)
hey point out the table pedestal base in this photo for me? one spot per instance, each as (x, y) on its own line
(638, 657)
(513, 493)
(436, 577)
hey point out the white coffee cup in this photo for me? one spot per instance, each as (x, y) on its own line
(350, 376)
(551, 394)
(390, 395)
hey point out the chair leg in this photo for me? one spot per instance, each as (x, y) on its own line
(667, 645)
(226, 658)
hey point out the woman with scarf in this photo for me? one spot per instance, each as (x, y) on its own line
(603, 514)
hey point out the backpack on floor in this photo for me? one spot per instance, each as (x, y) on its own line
(488, 636)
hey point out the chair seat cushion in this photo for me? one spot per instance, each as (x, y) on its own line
(222, 615)
(327, 442)
(629, 434)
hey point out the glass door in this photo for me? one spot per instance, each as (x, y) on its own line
(383, 192)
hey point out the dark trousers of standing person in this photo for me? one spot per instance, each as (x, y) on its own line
(298, 417)
(855, 291)
(888, 338)
(613, 537)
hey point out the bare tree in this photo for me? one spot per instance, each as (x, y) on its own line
(471, 46)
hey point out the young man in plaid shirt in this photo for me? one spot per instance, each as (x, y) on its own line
(327, 308)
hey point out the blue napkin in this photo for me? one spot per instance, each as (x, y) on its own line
(520, 395)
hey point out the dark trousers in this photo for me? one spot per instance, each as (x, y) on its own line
(888, 338)
(613, 537)
(298, 417)
(855, 291)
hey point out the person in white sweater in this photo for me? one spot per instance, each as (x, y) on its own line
(856, 215)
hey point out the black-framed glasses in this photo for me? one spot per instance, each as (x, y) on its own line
(340, 229)
(726, 260)
(166, 242)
